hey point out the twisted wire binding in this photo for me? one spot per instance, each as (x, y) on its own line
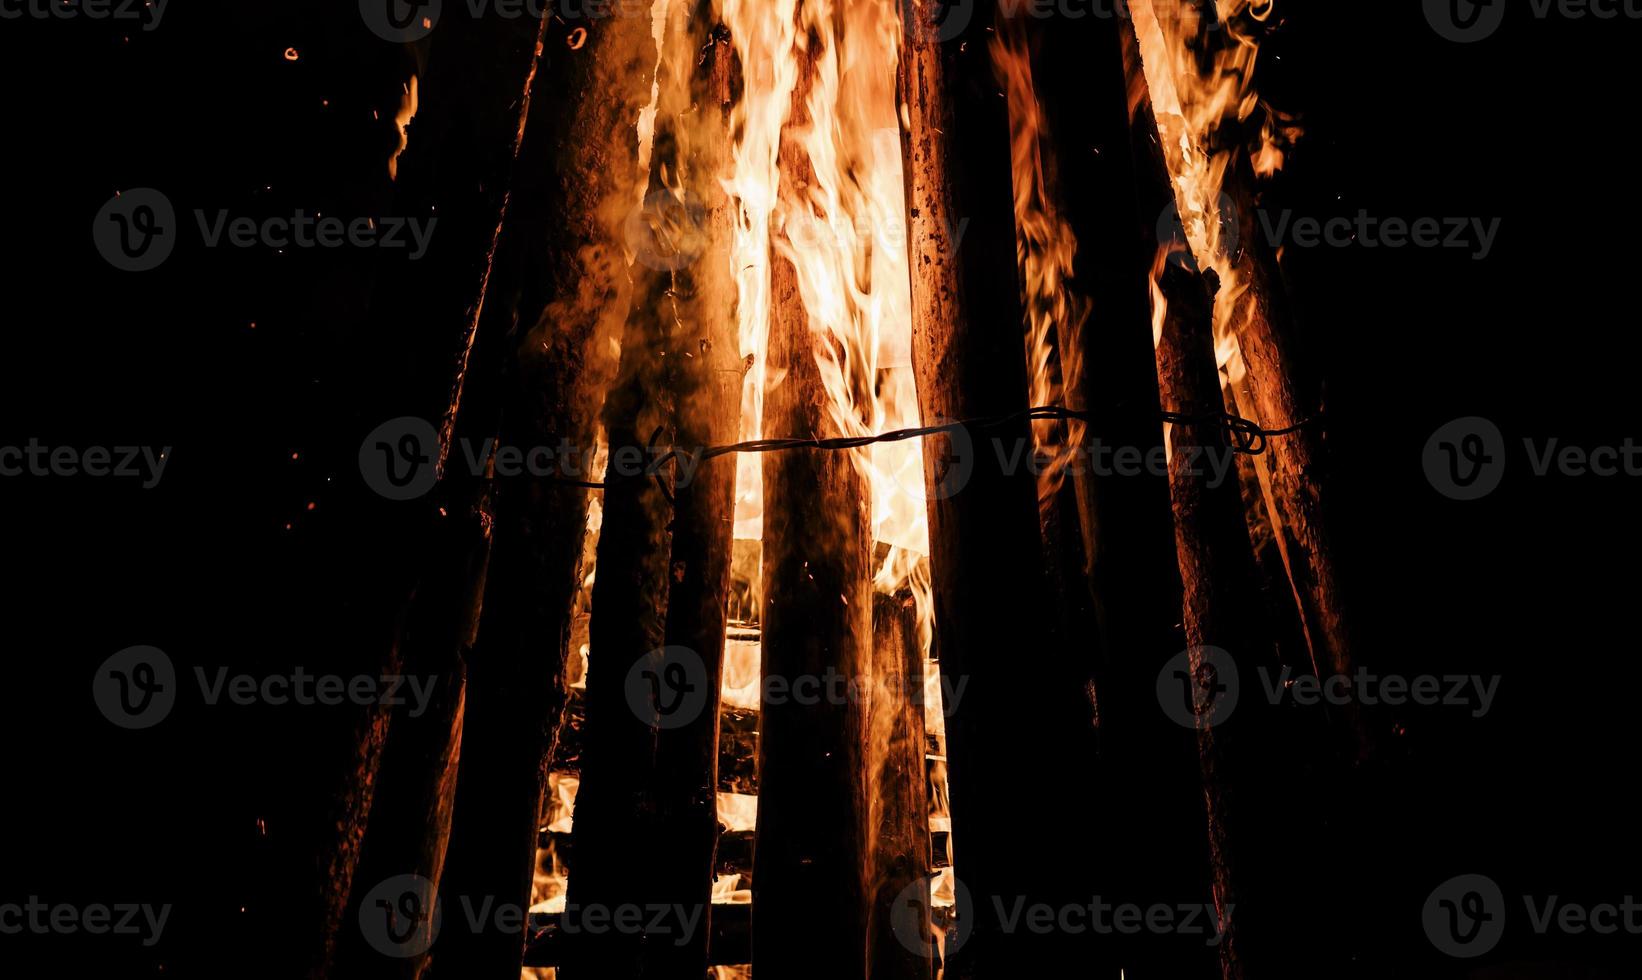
(1244, 436)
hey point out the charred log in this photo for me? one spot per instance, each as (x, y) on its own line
(817, 622)
(551, 299)
(984, 533)
(459, 162)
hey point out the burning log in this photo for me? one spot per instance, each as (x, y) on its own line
(558, 278)
(1084, 89)
(1216, 564)
(1261, 319)
(404, 768)
(706, 381)
(664, 566)
(898, 845)
(984, 532)
(615, 807)
(817, 623)
(1292, 470)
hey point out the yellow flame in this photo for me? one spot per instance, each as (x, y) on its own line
(1045, 248)
(1193, 100)
(844, 233)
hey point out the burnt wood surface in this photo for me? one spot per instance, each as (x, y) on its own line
(994, 634)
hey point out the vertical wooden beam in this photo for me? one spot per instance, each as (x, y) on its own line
(393, 809)
(1278, 389)
(898, 798)
(993, 635)
(1111, 197)
(817, 623)
(706, 372)
(559, 282)
(1217, 569)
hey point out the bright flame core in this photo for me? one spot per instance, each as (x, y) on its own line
(845, 235)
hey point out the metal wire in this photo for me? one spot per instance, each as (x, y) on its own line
(1243, 436)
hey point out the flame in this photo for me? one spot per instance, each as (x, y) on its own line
(844, 233)
(1045, 248)
(401, 121)
(1195, 94)
(548, 884)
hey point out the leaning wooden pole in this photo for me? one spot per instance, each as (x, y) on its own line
(559, 274)
(393, 813)
(1277, 388)
(816, 625)
(1217, 569)
(1108, 195)
(616, 805)
(706, 373)
(995, 640)
(897, 827)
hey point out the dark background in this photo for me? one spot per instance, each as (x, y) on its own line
(240, 358)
